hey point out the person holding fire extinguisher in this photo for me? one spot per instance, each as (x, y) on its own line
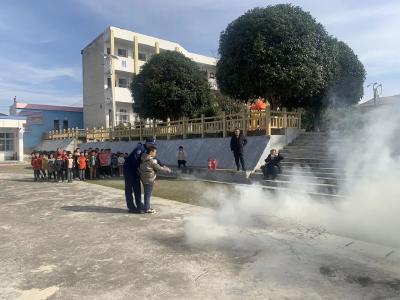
(238, 142)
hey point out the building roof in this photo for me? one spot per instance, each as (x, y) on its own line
(395, 99)
(48, 107)
(5, 117)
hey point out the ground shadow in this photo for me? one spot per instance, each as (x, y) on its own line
(95, 209)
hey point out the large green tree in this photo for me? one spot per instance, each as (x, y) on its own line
(347, 86)
(279, 52)
(170, 85)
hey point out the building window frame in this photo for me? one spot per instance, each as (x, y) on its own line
(122, 82)
(142, 56)
(122, 52)
(7, 141)
(56, 124)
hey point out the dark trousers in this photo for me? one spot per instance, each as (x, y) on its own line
(132, 185)
(148, 189)
(270, 171)
(239, 160)
(52, 175)
(181, 163)
(70, 174)
(37, 175)
(82, 174)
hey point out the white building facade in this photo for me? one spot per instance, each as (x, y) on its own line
(11, 138)
(109, 63)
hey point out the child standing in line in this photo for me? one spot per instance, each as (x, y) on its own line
(181, 157)
(35, 166)
(71, 166)
(45, 165)
(148, 168)
(92, 162)
(39, 165)
(114, 165)
(82, 166)
(50, 168)
(59, 168)
(121, 161)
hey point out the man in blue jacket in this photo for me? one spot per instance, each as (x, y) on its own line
(132, 177)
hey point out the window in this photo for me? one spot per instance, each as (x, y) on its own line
(108, 51)
(212, 75)
(108, 82)
(7, 142)
(122, 82)
(123, 116)
(56, 124)
(123, 63)
(142, 56)
(65, 124)
(122, 52)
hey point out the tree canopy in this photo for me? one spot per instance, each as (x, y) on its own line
(281, 53)
(347, 87)
(170, 85)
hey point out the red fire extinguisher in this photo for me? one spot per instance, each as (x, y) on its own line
(210, 164)
(215, 164)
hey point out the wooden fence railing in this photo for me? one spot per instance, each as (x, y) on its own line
(250, 122)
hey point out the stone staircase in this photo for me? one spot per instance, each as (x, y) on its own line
(308, 167)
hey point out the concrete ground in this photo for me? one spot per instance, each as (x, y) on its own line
(76, 241)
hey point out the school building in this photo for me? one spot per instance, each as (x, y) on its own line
(11, 137)
(40, 119)
(109, 63)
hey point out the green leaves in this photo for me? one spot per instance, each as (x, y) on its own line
(275, 52)
(170, 85)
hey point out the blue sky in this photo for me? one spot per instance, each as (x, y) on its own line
(41, 40)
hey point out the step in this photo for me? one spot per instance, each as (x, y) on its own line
(338, 172)
(309, 156)
(306, 178)
(321, 165)
(305, 187)
(319, 191)
(301, 159)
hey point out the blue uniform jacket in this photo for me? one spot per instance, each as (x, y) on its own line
(132, 162)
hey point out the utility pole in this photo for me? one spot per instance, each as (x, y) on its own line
(375, 87)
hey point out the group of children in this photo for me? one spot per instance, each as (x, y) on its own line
(61, 165)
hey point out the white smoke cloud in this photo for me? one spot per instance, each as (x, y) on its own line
(369, 153)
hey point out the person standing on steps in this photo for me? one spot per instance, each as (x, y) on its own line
(238, 142)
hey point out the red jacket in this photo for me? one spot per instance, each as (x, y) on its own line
(82, 162)
(36, 164)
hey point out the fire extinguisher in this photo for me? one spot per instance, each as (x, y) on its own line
(210, 163)
(215, 164)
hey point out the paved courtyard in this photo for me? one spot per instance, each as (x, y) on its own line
(76, 241)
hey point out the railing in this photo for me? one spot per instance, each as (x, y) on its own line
(250, 122)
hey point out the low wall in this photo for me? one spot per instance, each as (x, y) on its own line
(199, 150)
(52, 145)
(278, 142)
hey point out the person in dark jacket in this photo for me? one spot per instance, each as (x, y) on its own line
(132, 177)
(272, 168)
(238, 142)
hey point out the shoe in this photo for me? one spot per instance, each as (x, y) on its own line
(151, 211)
(132, 211)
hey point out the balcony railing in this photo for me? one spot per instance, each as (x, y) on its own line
(250, 122)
